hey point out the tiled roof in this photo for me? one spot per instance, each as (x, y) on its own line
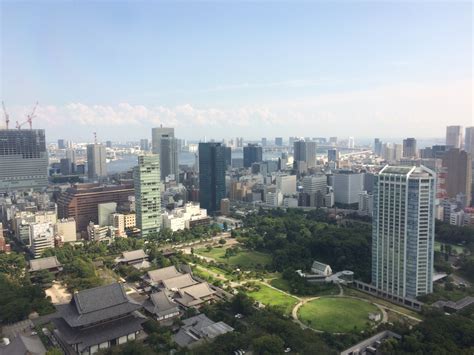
(50, 262)
(134, 255)
(97, 304)
(160, 304)
(22, 345)
(159, 275)
(178, 282)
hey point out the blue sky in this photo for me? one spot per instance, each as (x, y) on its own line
(239, 68)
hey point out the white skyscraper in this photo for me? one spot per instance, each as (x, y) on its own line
(347, 187)
(403, 231)
(454, 136)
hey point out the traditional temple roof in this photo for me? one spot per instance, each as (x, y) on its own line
(44, 264)
(160, 304)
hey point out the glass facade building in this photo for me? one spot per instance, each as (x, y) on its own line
(23, 159)
(212, 166)
(403, 231)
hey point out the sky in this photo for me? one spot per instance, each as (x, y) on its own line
(238, 68)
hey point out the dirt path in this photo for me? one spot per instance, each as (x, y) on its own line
(58, 293)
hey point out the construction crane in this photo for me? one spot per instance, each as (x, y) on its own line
(7, 116)
(29, 119)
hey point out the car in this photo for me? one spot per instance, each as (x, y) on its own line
(287, 350)
(239, 316)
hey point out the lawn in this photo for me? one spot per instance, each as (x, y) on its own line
(337, 314)
(323, 289)
(458, 248)
(271, 297)
(281, 284)
(246, 259)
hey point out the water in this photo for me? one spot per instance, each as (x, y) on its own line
(127, 162)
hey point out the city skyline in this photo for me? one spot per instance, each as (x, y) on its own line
(282, 68)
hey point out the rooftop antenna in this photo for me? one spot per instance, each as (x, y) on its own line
(95, 137)
(7, 116)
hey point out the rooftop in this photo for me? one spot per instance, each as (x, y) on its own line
(165, 273)
(44, 264)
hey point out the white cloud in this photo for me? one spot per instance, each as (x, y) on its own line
(410, 109)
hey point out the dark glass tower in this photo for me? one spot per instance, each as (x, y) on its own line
(252, 154)
(23, 159)
(212, 167)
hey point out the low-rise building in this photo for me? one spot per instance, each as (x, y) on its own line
(41, 238)
(321, 269)
(66, 229)
(161, 307)
(186, 217)
(198, 329)
(50, 264)
(136, 258)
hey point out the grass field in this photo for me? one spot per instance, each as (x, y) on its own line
(459, 249)
(281, 284)
(270, 297)
(337, 314)
(246, 259)
(323, 289)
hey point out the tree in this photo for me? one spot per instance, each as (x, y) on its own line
(222, 241)
(268, 345)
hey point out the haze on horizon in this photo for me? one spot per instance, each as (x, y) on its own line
(260, 69)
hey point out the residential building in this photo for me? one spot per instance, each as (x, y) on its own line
(454, 136)
(458, 164)
(96, 161)
(212, 167)
(147, 194)
(403, 231)
(347, 187)
(97, 318)
(81, 201)
(23, 159)
(225, 207)
(252, 154)
(409, 148)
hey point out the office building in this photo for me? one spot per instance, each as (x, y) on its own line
(264, 142)
(458, 164)
(347, 187)
(366, 203)
(65, 166)
(169, 157)
(315, 184)
(469, 141)
(403, 231)
(66, 230)
(144, 145)
(350, 142)
(409, 148)
(279, 141)
(377, 147)
(212, 166)
(333, 140)
(252, 154)
(286, 184)
(41, 238)
(108, 144)
(228, 156)
(156, 134)
(333, 155)
(454, 136)
(61, 144)
(96, 161)
(81, 201)
(147, 194)
(305, 151)
(104, 211)
(23, 160)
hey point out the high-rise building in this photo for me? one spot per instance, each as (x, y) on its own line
(264, 142)
(347, 187)
(377, 147)
(61, 144)
(333, 155)
(454, 136)
(108, 144)
(403, 231)
(458, 164)
(156, 134)
(212, 168)
(147, 194)
(409, 148)
(252, 154)
(469, 141)
(65, 166)
(96, 161)
(314, 184)
(144, 145)
(169, 157)
(350, 142)
(23, 159)
(228, 156)
(305, 151)
(279, 141)
(81, 201)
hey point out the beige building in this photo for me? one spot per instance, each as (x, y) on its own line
(66, 229)
(458, 164)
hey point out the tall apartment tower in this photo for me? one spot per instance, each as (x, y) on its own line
(169, 157)
(409, 148)
(252, 154)
(403, 231)
(96, 161)
(454, 136)
(212, 168)
(458, 164)
(156, 134)
(147, 194)
(469, 141)
(23, 159)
